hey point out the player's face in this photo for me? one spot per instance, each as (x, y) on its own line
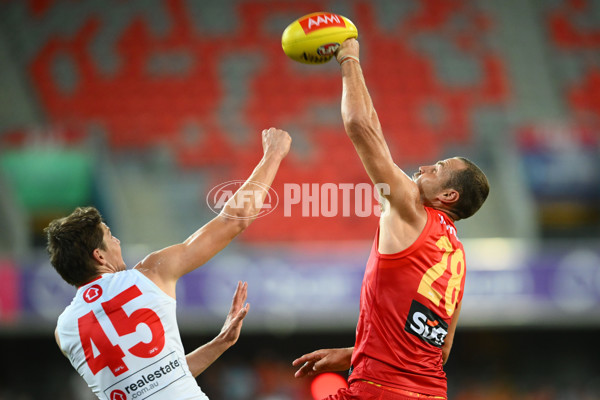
(112, 249)
(431, 179)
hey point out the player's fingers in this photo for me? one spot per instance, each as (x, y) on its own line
(320, 365)
(244, 291)
(310, 357)
(305, 370)
(240, 295)
(240, 315)
(243, 312)
(300, 360)
(305, 359)
(237, 292)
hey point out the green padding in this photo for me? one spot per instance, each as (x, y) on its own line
(46, 180)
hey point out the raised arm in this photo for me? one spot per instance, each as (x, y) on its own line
(406, 217)
(364, 129)
(166, 266)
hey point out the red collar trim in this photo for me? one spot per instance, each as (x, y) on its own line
(87, 283)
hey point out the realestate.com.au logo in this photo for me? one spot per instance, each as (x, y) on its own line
(305, 199)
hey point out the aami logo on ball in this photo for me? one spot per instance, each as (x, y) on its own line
(92, 293)
(320, 21)
(425, 324)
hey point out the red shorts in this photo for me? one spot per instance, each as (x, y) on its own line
(361, 390)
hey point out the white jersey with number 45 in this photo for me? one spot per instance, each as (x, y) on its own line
(120, 333)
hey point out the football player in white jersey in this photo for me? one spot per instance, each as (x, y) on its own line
(120, 331)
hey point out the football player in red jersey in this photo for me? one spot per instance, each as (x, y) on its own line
(414, 279)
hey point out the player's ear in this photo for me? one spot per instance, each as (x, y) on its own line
(449, 196)
(98, 256)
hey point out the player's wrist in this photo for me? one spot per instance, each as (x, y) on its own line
(273, 156)
(348, 58)
(223, 341)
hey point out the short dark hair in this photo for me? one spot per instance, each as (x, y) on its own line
(71, 243)
(472, 186)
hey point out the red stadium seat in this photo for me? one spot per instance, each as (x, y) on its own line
(141, 107)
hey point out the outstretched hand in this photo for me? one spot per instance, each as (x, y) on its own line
(199, 359)
(230, 332)
(324, 360)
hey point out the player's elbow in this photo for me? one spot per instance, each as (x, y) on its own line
(355, 123)
(357, 130)
(360, 125)
(241, 217)
(237, 223)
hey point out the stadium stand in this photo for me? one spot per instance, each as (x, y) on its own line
(148, 81)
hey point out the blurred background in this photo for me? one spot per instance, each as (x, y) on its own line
(140, 108)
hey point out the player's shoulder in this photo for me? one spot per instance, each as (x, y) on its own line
(124, 280)
(102, 287)
(67, 311)
(126, 276)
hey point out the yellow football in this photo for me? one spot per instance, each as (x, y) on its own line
(314, 38)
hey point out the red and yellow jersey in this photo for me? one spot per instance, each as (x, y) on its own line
(406, 305)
